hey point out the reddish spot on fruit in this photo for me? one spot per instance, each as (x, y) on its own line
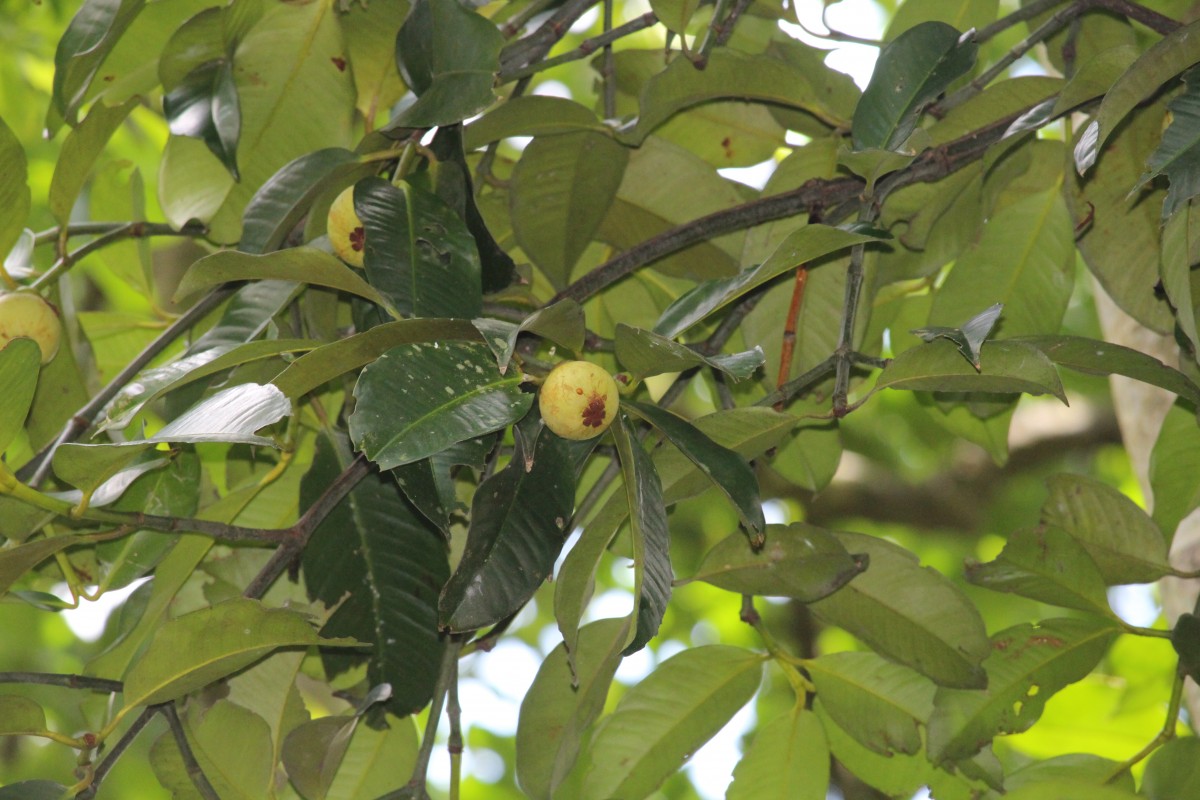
(358, 238)
(578, 391)
(727, 145)
(340, 63)
(593, 415)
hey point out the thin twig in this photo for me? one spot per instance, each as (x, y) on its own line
(843, 355)
(454, 740)
(64, 680)
(586, 48)
(1022, 14)
(133, 230)
(788, 345)
(534, 47)
(194, 771)
(608, 71)
(118, 748)
(1153, 20)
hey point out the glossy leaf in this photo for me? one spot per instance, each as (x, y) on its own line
(204, 106)
(564, 699)
(728, 471)
(1028, 664)
(911, 72)
(809, 243)
(518, 526)
(20, 361)
(798, 560)
(1093, 357)
(79, 153)
(788, 760)
(448, 393)
(729, 74)
(303, 264)
(645, 354)
(381, 565)
(232, 415)
(909, 613)
(1007, 367)
(280, 203)
(879, 703)
(418, 253)
(1170, 56)
(1125, 543)
(92, 34)
(1045, 564)
(561, 189)
(448, 55)
(192, 651)
(666, 717)
(648, 532)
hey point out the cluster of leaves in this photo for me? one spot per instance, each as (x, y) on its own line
(373, 434)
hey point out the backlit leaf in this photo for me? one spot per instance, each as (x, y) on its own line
(788, 760)
(1046, 564)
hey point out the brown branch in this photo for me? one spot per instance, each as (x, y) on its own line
(118, 749)
(788, 345)
(534, 47)
(586, 48)
(194, 771)
(59, 679)
(1153, 20)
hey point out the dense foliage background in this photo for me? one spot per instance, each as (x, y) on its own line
(854, 329)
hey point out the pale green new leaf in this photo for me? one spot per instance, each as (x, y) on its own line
(666, 717)
(788, 760)
(1175, 469)
(20, 715)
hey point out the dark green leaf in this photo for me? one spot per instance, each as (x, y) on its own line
(562, 702)
(418, 253)
(561, 189)
(809, 243)
(1093, 357)
(666, 717)
(562, 323)
(448, 55)
(377, 558)
(648, 530)
(1007, 367)
(729, 471)
(33, 790)
(645, 353)
(1028, 664)
(205, 106)
(879, 703)
(798, 561)
(1185, 638)
(280, 203)
(417, 400)
(910, 73)
(909, 613)
(970, 337)
(1125, 543)
(518, 526)
(92, 34)
(1178, 156)
(1046, 564)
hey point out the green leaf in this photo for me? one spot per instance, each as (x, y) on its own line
(970, 337)
(196, 649)
(382, 565)
(1046, 564)
(447, 393)
(666, 717)
(20, 715)
(561, 322)
(530, 115)
(303, 264)
(798, 560)
(1073, 766)
(87, 466)
(20, 361)
(561, 189)
(1125, 543)
(1173, 771)
(79, 153)
(728, 471)
(1170, 56)
(313, 752)
(369, 30)
(674, 14)
(788, 760)
(1094, 357)
(563, 701)
(231, 415)
(648, 531)
(232, 746)
(1007, 367)
(280, 203)
(728, 75)
(16, 561)
(809, 243)
(418, 253)
(910, 73)
(909, 613)
(94, 31)
(448, 55)
(518, 526)
(1180, 237)
(204, 106)
(34, 790)
(1178, 155)
(879, 703)
(374, 760)
(14, 191)
(645, 354)
(1027, 665)
(1070, 790)
(1175, 469)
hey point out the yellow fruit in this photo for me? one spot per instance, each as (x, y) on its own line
(578, 400)
(345, 229)
(24, 314)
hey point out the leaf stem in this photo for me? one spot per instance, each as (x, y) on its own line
(88, 792)
(1165, 735)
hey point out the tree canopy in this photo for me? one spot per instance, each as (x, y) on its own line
(827, 474)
